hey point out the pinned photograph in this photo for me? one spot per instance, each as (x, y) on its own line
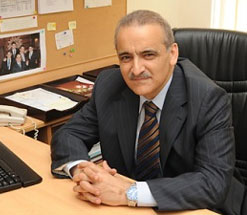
(22, 54)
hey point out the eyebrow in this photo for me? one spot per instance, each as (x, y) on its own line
(123, 53)
(149, 51)
(142, 52)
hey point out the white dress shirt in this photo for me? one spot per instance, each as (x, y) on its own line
(23, 57)
(30, 55)
(8, 63)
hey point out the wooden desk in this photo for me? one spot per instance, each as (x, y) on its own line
(46, 129)
(54, 196)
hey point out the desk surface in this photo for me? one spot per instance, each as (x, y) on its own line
(54, 196)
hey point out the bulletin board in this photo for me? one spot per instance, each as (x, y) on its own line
(93, 43)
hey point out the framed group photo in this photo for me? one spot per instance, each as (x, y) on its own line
(22, 54)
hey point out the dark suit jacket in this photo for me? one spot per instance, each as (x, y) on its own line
(5, 70)
(34, 60)
(196, 137)
(17, 68)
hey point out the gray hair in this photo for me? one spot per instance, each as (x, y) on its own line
(143, 17)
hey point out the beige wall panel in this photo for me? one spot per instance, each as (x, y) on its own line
(179, 13)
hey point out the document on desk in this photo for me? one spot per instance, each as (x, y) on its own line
(43, 100)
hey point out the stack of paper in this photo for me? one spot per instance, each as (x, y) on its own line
(43, 100)
(95, 153)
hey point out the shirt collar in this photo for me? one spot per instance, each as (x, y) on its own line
(160, 98)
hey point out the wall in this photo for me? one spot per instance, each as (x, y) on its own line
(179, 13)
(93, 43)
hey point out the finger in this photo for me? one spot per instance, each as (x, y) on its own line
(90, 165)
(80, 177)
(91, 198)
(78, 189)
(112, 171)
(85, 164)
(87, 187)
(76, 178)
(84, 189)
(81, 196)
(91, 174)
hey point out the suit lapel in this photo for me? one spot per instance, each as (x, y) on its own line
(173, 114)
(126, 115)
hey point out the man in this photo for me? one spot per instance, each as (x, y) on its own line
(19, 65)
(7, 64)
(181, 153)
(33, 58)
(22, 52)
(14, 50)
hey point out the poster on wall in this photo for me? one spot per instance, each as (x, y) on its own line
(22, 54)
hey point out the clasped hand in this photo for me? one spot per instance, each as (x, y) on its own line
(100, 184)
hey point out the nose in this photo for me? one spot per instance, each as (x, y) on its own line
(138, 66)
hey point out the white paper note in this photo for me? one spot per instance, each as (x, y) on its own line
(97, 3)
(54, 6)
(14, 8)
(18, 23)
(64, 39)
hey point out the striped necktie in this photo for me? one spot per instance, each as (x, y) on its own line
(148, 149)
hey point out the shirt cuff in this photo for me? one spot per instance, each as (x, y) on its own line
(144, 195)
(66, 167)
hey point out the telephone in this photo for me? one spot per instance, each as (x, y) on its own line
(10, 115)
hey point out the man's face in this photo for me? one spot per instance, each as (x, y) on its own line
(9, 55)
(22, 49)
(18, 58)
(146, 65)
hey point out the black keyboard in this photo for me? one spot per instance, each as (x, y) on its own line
(14, 173)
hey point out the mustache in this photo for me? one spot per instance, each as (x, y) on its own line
(142, 75)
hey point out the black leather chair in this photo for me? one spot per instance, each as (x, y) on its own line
(222, 55)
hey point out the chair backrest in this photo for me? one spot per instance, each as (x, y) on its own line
(222, 55)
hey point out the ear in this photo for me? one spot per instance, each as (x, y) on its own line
(173, 54)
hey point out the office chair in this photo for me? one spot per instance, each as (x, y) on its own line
(222, 55)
